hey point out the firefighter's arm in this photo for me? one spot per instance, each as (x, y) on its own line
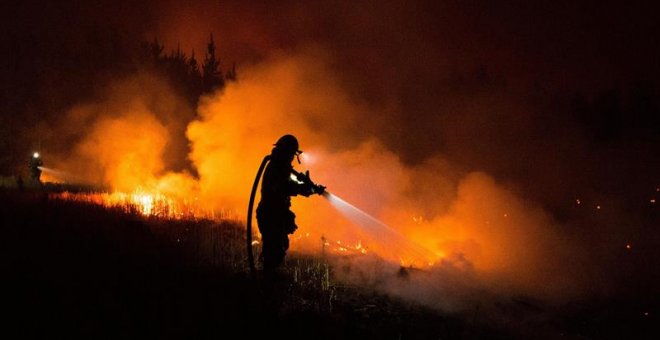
(295, 187)
(304, 184)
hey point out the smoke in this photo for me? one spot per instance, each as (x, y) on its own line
(467, 231)
(126, 140)
(448, 122)
(476, 229)
(239, 126)
(478, 233)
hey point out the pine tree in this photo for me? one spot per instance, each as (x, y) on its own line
(193, 65)
(155, 49)
(231, 74)
(194, 78)
(152, 53)
(212, 76)
(178, 66)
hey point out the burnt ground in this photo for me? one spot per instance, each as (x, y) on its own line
(82, 271)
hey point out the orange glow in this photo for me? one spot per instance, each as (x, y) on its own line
(143, 203)
(442, 216)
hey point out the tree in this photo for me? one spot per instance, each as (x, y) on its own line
(231, 74)
(153, 50)
(194, 78)
(212, 76)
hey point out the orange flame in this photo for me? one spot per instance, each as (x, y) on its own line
(143, 203)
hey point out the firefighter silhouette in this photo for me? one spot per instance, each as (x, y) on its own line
(34, 164)
(274, 218)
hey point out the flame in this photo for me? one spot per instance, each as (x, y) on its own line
(472, 219)
(149, 204)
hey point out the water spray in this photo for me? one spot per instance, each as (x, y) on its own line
(375, 228)
(57, 173)
(378, 230)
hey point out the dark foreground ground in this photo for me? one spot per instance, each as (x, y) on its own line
(81, 271)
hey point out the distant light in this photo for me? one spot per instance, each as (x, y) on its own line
(598, 207)
(578, 201)
(653, 200)
(646, 313)
(628, 246)
(35, 155)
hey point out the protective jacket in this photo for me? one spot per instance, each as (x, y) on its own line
(277, 187)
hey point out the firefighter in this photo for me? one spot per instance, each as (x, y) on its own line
(275, 220)
(34, 164)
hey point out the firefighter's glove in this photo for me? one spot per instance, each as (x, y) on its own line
(307, 189)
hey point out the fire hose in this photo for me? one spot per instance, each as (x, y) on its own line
(250, 255)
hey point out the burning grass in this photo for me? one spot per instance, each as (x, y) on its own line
(83, 269)
(146, 203)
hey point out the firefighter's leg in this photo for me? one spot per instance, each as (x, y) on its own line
(274, 250)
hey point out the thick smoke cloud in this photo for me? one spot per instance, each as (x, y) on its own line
(496, 234)
(467, 223)
(129, 140)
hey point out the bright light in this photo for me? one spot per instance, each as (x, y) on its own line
(307, 157)
(295, 179)
(35, 155)
(144, 203)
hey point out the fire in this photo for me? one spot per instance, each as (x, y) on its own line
(144, 203)
(338, 247)
(434, 217)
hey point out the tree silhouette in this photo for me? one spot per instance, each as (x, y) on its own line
(194, 76)
(191, 78)
(212, 77)
(153, 50)
(231, 74)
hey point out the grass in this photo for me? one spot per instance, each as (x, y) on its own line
(79, 270)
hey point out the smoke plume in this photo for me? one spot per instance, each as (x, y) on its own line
(471, 223)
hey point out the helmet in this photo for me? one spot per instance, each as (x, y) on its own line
(289, 144)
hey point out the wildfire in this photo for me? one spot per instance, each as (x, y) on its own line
(142, 202)
(335, 247)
